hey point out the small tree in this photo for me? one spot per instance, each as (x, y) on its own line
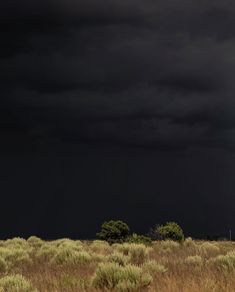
(114, 231)
(170, 230)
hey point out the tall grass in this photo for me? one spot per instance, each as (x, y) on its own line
(72, 265)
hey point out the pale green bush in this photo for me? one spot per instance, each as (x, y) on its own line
(68, 243)
(190, 243)
(15, 256)
(137, 252)
(16, 241)
(35, 241)
(224, 262)
(114, 276)
(154, 267)
(4, 252)
(15, 283)
(119, 258)
(97, 257)
(127, 286)
(107, 276)
(69, 256)
(100, 246)
(46, 252)
(208, 249)
(169, 244)
(3, 265)
(196, 261)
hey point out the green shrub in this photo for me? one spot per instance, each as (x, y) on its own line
(15, 256)
(208, 249)
(100, 246)
(170, 231)
(114, 276)
(154, 267)
(137, 252)
(97, 257)
(135, 238)
(68, 243)
(46, 252)
(224, 262)
(3, 265)
(169, 244)
(35, 241)
(190, 243)
(15, 283)
(196, 261)
(119, 258)
(16, 241)
(114, 231)
(66, 256)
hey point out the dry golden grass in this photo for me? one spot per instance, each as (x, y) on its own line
(67, 265)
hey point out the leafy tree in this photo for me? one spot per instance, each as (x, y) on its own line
(171, 230)
(114, 231)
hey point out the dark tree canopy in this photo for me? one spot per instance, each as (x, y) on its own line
(170, 230)
(114, 231)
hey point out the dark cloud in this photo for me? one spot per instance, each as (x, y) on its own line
(149, 76)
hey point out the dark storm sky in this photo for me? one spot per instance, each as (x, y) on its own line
(116, 109)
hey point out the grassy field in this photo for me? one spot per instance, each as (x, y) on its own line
(68, 265)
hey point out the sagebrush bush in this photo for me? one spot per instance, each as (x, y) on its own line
(68, 243)
(97, 257)
(119, 258)
(66, 256)
(15, 283)
(46, 251)
(224, 262)
(114, 276)
(15, 256)
(208, 249)
(154, 267)
(16, 241)
(137, 252)
(3, 265)
(35, 241)
(107, 276)
(196, 261)
(100, 246)
(190, 243)
(169, 244)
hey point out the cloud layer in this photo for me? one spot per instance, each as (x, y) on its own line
(157, 74)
